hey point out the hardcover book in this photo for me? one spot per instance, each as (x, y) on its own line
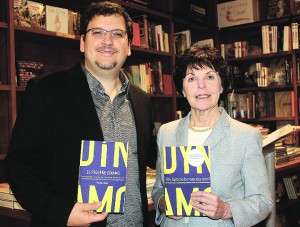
(136, 40)
(57, 19)
(186, 170)
(102, 174)
(235, 13)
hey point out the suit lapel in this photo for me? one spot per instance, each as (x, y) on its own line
(181, 132)
(220, 131)
(78, 85)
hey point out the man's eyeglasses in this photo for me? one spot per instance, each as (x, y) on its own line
(100, 33)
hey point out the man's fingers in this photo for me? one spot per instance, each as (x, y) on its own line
(90, 206)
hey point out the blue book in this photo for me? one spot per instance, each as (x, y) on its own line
(186, 170)
(102, 174)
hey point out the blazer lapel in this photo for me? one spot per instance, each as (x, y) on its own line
(220, 131)
(78, 85)
(181, 131)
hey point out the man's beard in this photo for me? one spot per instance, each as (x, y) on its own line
(106, 67)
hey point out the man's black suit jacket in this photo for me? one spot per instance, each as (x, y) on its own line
(42, 164)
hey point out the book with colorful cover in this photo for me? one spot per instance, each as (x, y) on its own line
(102, 174)
(186, 170)
(236, 13)
(57, 19)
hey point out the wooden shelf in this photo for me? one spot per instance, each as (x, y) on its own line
(3, 25)
(286, 87)
(45, 32)
(4, 87)
(288, 166)
(285, 54)
(267, 119)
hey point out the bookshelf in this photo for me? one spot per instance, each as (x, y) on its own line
(252, 33)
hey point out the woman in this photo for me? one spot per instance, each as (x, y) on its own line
(239, 184)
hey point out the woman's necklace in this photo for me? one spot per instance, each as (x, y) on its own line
(200, 130)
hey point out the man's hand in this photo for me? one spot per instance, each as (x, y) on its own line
(83, 214)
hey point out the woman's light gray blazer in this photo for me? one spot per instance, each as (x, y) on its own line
(238, 171)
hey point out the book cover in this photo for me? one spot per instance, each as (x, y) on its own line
(283, 104)
(142, 20)
(296, 6)
(182, 41)
(186, 170)
(159, 35)
(168, 84)
(208, 42)
(261, 104)
(136, 40)
(152, 37)
(235, 13)
(57, 19)
(278, 8)
(102, 174)
(198, 11)
(229, 50)
(157, 77)
(73, 22)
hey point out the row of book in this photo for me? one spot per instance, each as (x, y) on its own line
(261, 104)
(151, 35)
(274, 72)
(274, 39)
(51, 18)
(150, 78)
(7, 199)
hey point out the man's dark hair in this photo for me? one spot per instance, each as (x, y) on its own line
(105, 8)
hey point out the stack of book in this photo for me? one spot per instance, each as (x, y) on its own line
(7, 199)
(152, 35)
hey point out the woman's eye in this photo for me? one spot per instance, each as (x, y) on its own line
(210, 77)
(191, 79)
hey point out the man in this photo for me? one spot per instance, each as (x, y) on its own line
(92, 101)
